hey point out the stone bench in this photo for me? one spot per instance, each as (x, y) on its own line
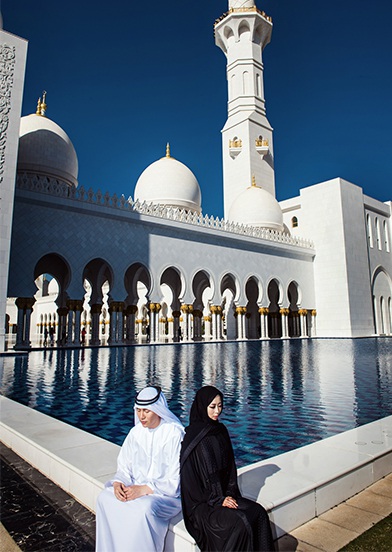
(294, 487)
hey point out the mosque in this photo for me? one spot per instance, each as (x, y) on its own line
(155, 267)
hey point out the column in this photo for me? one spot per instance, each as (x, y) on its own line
(20, 303)
(120, 323)
(187, 310)
(70, 325)
(95, 314)
(240, 315)
(285, 323)
(216, 313)
(62, 327)
(130, 313)
(176, 326)
(303, 313)
(170, 328)
(314, 329)
(263, 311)
(197, 333)
(78, 309)
(154, 321)
(207, 327)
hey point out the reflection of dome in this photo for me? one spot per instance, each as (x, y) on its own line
(169, 182)
(256, 207)
(45, 149)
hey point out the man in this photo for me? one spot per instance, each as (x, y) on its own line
(134, 509)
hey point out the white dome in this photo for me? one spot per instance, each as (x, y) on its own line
(169, 182)
(257, 207)
(45, 149)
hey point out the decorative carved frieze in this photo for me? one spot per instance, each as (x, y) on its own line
(7, 66)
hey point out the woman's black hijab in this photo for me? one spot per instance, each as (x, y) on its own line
(200, 423)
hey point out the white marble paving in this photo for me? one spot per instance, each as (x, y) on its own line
(294, 487)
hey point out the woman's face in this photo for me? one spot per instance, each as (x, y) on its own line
(215, 408)
(148, 418)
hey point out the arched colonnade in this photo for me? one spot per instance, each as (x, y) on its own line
(167, 307)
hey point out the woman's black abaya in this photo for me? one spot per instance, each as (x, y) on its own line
(208, 475)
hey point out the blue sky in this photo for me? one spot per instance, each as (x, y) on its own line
(123, 78)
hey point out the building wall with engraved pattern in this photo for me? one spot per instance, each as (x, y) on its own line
(13, 52)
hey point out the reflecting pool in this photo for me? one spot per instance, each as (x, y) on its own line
(279, 395)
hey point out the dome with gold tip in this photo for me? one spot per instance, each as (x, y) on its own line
(169, 182)
(45, 149)
(256, 207)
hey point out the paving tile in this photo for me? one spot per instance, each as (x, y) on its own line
(382, 487)
(324, 535)
(351, 518)
(371, 502)
(288, 543)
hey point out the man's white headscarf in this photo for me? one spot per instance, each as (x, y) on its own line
(152, 398)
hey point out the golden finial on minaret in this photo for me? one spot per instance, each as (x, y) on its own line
(168, 150)
(253, 180)
(41, 105)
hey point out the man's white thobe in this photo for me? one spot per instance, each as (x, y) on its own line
(147, 457)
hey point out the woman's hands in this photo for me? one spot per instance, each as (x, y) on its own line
(230, 502)
(123, 493)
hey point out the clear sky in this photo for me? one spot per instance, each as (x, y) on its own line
(124, 77)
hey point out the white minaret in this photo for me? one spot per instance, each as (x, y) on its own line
(242, 33)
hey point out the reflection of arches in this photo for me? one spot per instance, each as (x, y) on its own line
(382, 293)
(274, 318)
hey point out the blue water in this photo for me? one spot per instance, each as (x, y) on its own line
(279, 395)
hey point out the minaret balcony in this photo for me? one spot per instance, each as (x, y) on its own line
(235, 148)
(262, 147)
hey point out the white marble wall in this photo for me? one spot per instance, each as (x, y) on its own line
(13, 52)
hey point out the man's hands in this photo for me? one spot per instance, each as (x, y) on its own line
(123, 493)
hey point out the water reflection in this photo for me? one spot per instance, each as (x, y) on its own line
(278, 394)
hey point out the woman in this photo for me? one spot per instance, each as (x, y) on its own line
(134, 509)
(215, 513)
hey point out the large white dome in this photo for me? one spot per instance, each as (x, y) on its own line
(45, 149)
(256, 207)
(169, 182)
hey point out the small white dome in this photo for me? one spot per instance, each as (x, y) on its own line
(45, 149)
(169, 182)
(257, 207)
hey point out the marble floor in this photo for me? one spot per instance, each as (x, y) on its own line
(38, 515)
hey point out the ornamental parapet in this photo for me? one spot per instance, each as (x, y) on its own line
(243, 10)
(57, 188)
